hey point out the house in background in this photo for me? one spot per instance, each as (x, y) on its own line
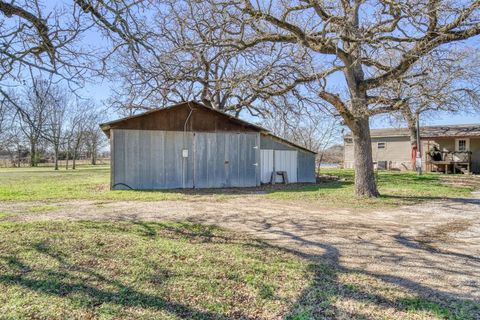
(449, 149)
(190, 145)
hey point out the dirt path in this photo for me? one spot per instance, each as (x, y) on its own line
(433, 248)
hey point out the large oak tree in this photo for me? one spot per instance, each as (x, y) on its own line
(370, 43)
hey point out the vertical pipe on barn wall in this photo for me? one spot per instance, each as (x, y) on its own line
(184, 159)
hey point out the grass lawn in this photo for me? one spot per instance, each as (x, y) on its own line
(92, 183)
(86, 182)
(396, 188)
(140, 270)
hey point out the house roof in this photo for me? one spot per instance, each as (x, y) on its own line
(112, 124)
(441, 131)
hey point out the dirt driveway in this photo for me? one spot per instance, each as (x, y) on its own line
(432, 249)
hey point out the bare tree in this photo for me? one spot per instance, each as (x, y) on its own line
(370, 43)
(54, 129)
(7, 124)
(78, 127)
(307, 126)
(43, 38)
(94, 139)
(76, 117)
(444, 81)
(185, 64)
(35, 102)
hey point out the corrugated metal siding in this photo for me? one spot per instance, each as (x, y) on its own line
(305, 160)
(306, 167)
(151, 160)
(145, 159)
(266, 163)
(225, 160)
(242, 157)
(286, 160)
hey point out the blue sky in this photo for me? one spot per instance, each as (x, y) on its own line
(100, 90)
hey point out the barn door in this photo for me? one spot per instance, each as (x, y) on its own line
(266, 162)
(240, 159)
(286, 161)
(224, 159)
(209, 172)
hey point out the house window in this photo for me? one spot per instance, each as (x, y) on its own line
(462, 145)
(381, 145)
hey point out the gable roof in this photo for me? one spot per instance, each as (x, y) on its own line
(123, 122)
(108, 125)
(440, 131)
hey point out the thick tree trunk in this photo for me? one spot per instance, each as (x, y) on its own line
(365, 184)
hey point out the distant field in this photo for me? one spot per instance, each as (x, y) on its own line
(6, 163)
(92, 183)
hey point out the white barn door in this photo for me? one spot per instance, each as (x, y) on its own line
(278, 160)
(266, 168)
(286, 161)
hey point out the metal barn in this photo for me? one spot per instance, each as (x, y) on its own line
(189, 145)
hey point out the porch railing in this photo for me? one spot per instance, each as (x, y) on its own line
(450, 156)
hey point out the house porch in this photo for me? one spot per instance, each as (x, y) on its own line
(452, 154)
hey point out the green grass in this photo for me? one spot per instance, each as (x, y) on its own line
(43, 208)
(139, 270)
(396, 188)
(4, 214)
(147, 270)
(92, 183)
(86, 182)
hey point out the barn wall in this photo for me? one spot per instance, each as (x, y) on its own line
(267, 142)
(151, 159)
(306, 167)
(305, 160)
(226, 159)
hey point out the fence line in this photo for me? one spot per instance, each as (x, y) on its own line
(25, 162)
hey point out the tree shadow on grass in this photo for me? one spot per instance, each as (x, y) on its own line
(68, 280)
(329, 285)
(451, 202)
(372, 291)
